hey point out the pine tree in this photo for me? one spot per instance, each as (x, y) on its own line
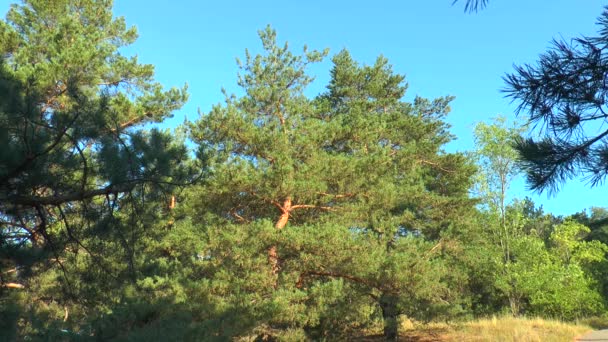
(76, 166)
(564, 93)
(354, 183)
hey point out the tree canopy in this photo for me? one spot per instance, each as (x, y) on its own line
(74, 152)
(356, 165)
(275, 215)
(71, 105)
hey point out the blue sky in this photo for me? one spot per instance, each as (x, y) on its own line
(440, 49)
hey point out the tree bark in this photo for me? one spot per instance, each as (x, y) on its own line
(273, 256)
(515, 304)
(33, 201)
(388, 304)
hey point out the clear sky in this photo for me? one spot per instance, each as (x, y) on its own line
(440, 49)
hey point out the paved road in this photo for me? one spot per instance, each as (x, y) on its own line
(595, 336)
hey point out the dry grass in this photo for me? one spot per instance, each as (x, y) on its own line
(501, 329)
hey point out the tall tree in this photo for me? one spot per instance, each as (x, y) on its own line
(354, 181)
(70, 109)
(497, 167)
(74, 156)
(497, 160)
(565, 94)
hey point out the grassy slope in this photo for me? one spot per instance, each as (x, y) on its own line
(496, 329)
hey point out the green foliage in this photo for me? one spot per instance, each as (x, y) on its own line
(354, 181)
(81, 183)
(313, 218)
(549, 277)
(539, 265)
(597, 221)
(496, 158)
(73, 105)
(567, 239)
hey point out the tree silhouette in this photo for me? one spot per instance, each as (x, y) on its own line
(565, 95)
(473, 5)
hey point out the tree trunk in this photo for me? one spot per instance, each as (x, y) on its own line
(273, 256)
(515, 304)
(388, 304)
(503, 216)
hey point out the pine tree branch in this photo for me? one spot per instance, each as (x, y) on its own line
(97, 259)
(548, 178)
(312, 206)
(34, 201)
(12, 270)
(269, 200)
(473, 5)
(348, 195)
(31, 157)
(437, 165)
